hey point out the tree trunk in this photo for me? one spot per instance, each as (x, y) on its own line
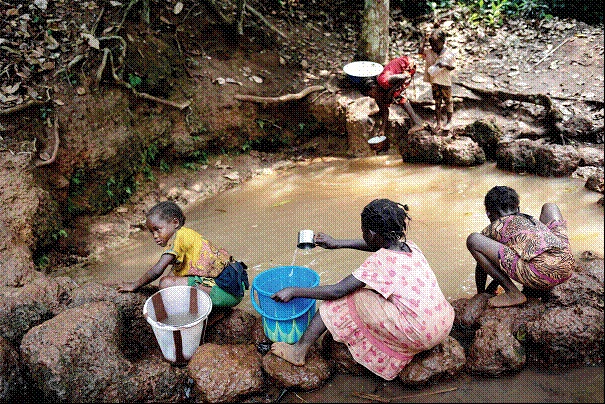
(374, 39)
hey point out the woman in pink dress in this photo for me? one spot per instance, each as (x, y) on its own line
(388, 309)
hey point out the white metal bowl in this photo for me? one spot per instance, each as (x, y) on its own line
(359, 70)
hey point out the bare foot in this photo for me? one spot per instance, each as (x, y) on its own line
(507, 299)
(291, 353)
(474, 308)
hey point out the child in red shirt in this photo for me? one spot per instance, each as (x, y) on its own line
(389, 87)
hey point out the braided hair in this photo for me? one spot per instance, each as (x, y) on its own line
(387, 218)
(167, 210)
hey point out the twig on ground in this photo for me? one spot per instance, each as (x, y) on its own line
(552, 51)
(381, 399)
(20, 107)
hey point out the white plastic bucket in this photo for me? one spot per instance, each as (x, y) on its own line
(178, 342)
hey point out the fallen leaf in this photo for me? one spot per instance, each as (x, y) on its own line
(11, 89)
(58, 102)
(281, 203)
(233, 81)
(178, 7)
(234, 176)
(92, 41)
(50, 65)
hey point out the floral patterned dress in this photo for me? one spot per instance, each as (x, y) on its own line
(400, 312)
(534, 254)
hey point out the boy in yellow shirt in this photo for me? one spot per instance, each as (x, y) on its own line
(195, 261)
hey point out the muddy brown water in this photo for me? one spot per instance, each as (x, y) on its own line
(258, 222)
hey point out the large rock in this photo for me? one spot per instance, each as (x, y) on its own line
(236, 327)
(536, 157)
(225, 373)
(517, 156)
(571, 329)
(131, 322)
(596, 181)
(12, 383)
(487, 134)
(561, 328)
(463, 151)
(556, 161)
(311, 375)
(590, 156)
(444, 360)
(360, 124)
(25, 307)
(495, 350)
(339, 356)
(422, 147)
(329, 109)
(76, 357)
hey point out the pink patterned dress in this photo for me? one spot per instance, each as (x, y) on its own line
(399, 313)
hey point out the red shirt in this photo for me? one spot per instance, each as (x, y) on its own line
(396, 66)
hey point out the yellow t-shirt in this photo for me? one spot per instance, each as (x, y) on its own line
(195, 255)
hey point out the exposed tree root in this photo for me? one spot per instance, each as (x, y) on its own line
(46, 157)
(282, 98)
(21, 107)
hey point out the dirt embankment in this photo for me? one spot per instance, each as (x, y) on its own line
(104, 114)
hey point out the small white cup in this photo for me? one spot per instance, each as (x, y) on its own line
(305, 239)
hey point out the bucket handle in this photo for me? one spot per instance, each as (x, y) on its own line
(262, 312)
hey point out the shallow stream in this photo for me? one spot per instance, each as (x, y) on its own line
(258, 223)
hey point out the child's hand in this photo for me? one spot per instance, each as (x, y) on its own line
(325, 241)
(127, 287)
(284, 295)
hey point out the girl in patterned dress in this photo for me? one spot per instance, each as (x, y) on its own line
(517, 247)
(388, 309)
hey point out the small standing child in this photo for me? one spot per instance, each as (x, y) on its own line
(195, 261)
(439, 62)
(517, 247)
(388, 309)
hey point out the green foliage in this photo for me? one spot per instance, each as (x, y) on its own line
(273, 139)
(69, 77)
(199, 156)
(164, 166)
(134, 80)
(492, 13)
(45, 112)
(55, 235)
(42, 262)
